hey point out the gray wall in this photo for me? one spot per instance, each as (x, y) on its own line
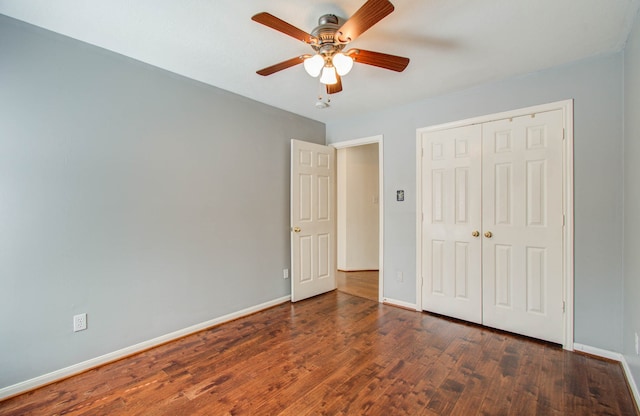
(632, 199)
(147, 200)
(596, 86)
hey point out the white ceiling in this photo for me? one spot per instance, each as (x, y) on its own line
(453, 44)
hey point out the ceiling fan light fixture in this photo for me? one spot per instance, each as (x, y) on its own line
(343, 63)
(314, 65)
(328, 76)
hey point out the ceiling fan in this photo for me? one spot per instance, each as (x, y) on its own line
(329, 39)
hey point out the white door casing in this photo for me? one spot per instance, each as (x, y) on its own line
(522, 209)
(313, 220)
(451, 242)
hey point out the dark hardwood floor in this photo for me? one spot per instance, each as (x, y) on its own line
(338, 354)
(360, 283)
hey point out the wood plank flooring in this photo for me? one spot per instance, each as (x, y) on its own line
(339, 354)
(360, 283)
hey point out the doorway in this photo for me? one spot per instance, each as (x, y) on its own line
(360, 217)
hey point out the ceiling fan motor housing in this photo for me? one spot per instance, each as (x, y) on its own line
(325, 32)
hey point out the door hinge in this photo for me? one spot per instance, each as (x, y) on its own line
(564, 136)
(422, 152)
(564, 307)
(564, 220)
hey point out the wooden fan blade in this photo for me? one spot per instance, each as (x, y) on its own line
(282, 65)
(335, 88)
(368, 15)
(284, 27)
(381, 60)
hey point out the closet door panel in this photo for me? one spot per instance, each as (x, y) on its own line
(522, 225)
(451, 254)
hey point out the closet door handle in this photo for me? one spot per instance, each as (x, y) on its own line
(476, 233)
(488, 234)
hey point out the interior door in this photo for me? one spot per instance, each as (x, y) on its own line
(523, 225)
(451, 243)
(313, 219)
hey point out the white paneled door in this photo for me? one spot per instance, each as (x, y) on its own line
(522, 219)
(492, 227)
(313, 220)
(452, 205)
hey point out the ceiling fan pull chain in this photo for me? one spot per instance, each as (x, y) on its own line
(320, 104)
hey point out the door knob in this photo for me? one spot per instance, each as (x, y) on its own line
(488, 234)
(296, 229)
(476, 233)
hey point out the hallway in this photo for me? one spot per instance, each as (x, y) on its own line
(359, 283)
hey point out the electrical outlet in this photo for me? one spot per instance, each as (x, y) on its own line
(637, 346)
(285, 273)
(80, 322)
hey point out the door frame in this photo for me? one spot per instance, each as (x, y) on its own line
(567, 196)
(379, 141)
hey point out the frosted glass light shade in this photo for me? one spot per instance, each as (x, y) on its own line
(343, 63)
(329, 75)
(314, 65)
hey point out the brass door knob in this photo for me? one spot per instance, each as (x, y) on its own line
(296, 229)
(488, 234)
(476, 233)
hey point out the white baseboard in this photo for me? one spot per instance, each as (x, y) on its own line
(119, 354)
(616, 356)
(632, 383)
(400, 303)
(598, 352)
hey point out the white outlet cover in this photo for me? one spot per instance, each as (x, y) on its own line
(637, 346)
(80, 322)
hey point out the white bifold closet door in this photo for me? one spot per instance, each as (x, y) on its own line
(452, 208)
(493, 220)
(522, 209)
